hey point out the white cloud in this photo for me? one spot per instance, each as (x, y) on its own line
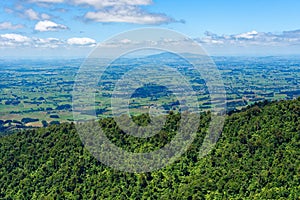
(127, 14)
(82, 41)
(248, 35)
(121, 11)
(9, 25)
(45, 16)
(15, 37)
(47, 1)
(31, 14)
(125, 41)
(47, 25)
(13, 40)
(112, 3)
(253, 38)
(47, 43)
(98, 3)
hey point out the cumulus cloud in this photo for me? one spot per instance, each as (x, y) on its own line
(15, 37)
(253, 38)
(45, 16)
(47, 1)
(47, 43)
(121, 11)
(247, 35)
(16, 40)
(98, 3)
(127, 14)
(31, 14)
(9, 25)
(113, 3)
(47, 25)
(82, 41)
(27, 13)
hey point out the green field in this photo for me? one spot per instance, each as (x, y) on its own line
(41, 89)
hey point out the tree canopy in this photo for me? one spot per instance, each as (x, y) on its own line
(256, 157)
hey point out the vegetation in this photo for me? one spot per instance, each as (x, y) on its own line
(43, 88)
(256, 157)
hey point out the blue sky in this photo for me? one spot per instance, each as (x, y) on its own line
(74, 27)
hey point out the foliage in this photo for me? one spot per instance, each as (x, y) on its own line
(256, 157)
(28, 120)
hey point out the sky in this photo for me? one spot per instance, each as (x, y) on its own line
(73, 28)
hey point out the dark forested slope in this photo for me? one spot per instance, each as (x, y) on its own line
(256, 157)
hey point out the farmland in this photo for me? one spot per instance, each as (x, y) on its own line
(35, 93)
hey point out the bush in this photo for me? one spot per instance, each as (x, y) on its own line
(45, 123)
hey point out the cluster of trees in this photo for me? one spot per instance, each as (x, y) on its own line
(64, 107)
(256, 157)
(8, 127)
(26, 120)
(12, 102)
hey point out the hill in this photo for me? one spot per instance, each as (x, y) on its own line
(256, 157)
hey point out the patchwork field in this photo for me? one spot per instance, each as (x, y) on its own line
(35, 93)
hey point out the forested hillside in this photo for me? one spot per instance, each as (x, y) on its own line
(256, 157)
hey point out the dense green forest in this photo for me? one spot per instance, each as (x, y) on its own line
(256, 157)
